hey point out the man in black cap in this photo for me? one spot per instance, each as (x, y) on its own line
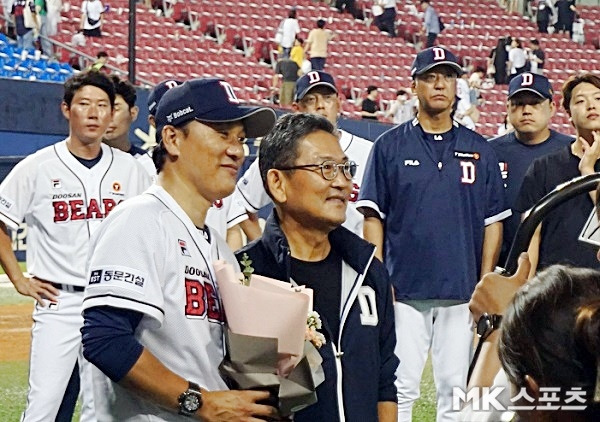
(224, 215)
(433, 202)
(529, 108)
(153, 322)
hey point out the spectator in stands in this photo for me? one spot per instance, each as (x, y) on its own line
(542, 18)
(431, 23)
(475, 81)
(287, 70)
(297, 52)
(403, 109)
(504, 128)
(42, 12)
(386, 22)
(348, 6)
(25, 20)
(537, 58)
(316, 44)
(287, 32)
(466, 113)
(566, 16)
(370, 105)
(517, 58)
(530, 108)
(91, 18)
(100, 64)
(498, 59)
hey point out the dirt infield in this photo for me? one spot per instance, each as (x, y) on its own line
(15, 331)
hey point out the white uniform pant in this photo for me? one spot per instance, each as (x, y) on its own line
(447, 331)
(55, 347)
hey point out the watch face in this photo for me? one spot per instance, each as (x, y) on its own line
(483, 325)
(191, 403)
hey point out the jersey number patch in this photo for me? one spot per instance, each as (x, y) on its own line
(201, 301)
(468, 172)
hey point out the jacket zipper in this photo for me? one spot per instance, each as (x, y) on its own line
(337, 351)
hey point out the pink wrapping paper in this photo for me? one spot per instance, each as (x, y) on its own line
(266, 308)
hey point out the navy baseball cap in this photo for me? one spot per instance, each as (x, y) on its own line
(158, 91)
(311, 80)
(434, 56)
(211, 100)
(531, 82)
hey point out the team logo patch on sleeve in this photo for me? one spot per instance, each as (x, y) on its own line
(118, 276)
(6, 203)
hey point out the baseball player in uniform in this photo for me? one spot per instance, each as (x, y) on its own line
(530, 107)
(316, 94)
(225, 214)
(433, 201)
(64, 192)
(152, 312)
(126, 112)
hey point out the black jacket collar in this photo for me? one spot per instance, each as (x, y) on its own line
(355, 251)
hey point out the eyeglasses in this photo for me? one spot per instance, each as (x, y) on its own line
(329, 169)
(432, 77)
(311, 99)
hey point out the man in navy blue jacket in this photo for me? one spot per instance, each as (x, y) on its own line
(309, 178)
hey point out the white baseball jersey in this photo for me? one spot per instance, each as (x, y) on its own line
(146, 161)
(221, 216)
(251, 192)
(224, 214)
(63, 202)
(149, 257)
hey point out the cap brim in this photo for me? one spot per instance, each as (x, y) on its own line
(257, 121)
(298, 97)
(539, 94)
(453, 65)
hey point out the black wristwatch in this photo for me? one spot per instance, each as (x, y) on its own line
(190, 400)
(487, 324)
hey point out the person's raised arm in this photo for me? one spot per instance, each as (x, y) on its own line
(492, 295)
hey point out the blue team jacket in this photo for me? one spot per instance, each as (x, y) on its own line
(360, 366)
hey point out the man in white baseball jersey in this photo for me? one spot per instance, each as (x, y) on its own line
(225, 214)
(126, 112)
(64, 192)
(153, 316)
(316, 94)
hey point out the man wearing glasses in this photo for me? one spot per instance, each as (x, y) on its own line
(309, 178)
(315, 94)
(432, 188)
